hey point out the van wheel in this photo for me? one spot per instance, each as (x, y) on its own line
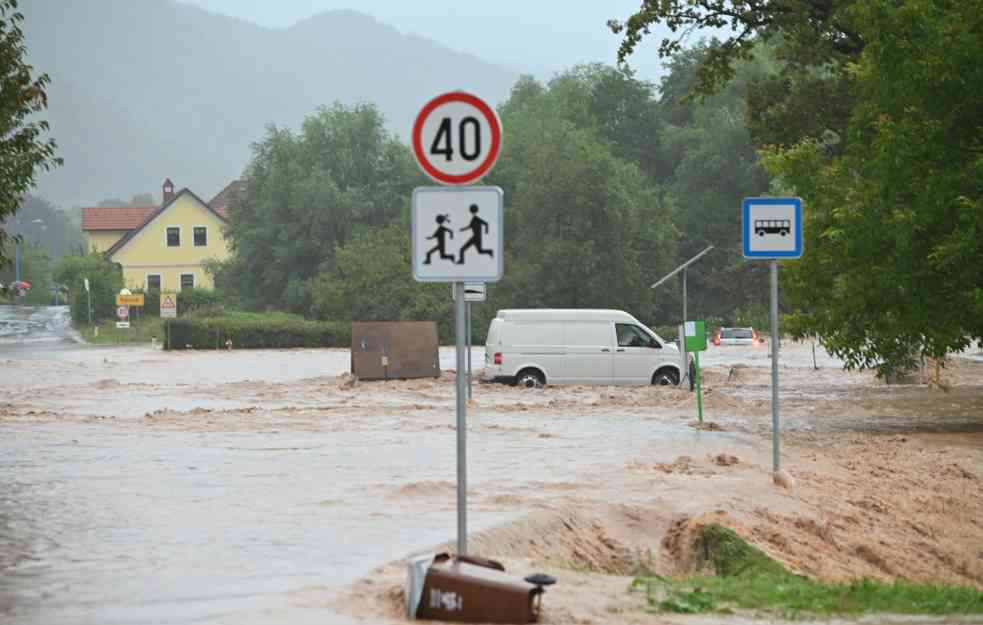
(530, 378)
(665, 377)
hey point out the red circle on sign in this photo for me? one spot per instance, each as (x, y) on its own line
(494, 126)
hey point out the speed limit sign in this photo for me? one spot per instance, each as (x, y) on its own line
(457, 138)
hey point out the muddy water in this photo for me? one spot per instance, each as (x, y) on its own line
(254, 486)
(138, 486)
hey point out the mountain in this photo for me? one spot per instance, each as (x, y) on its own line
(146, 89)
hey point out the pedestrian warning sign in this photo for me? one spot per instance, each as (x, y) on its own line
(168, 305)
(457, 234)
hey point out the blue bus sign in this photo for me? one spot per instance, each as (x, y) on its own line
(772, 227)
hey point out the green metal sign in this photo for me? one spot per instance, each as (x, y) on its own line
(695, 336)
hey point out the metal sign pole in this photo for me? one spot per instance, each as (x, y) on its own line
(775, 427)
(460, 315)
(469, 350)
(685, 318)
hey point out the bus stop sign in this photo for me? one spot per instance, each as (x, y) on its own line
(772, 227)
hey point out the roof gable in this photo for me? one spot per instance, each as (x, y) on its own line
(153, 215)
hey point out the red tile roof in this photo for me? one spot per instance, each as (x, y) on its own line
(227, 196)
(104, 218)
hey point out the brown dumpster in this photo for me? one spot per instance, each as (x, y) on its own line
(392, 350)
(467, 589)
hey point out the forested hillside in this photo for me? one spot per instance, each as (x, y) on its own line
(145, 90)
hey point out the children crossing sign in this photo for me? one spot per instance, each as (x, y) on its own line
(457, 234)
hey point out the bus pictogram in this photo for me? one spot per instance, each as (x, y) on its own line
(772, 226)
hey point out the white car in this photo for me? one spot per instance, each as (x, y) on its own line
(737, 336)
(533, 347)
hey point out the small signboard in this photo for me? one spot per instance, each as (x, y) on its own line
(772, 227)
(129, 299)
(456, 138)
(475, 292)
(168, 305)
(86, 281)
(456, 234)
(122, 324)
(695, 336)
(122, 312)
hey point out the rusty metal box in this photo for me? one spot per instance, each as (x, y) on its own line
(474, 590)
(393, 350)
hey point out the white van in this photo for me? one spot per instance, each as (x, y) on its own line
(540, 346)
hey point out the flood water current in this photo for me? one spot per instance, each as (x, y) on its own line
(107, 517)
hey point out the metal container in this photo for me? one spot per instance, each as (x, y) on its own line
(468, 589)
(394, 350)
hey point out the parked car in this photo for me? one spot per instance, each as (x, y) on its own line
(737, 336)
(534, 347)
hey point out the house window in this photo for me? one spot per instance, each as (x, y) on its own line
(201, 236)
(174, 236)
(187, 281)
(153, 281)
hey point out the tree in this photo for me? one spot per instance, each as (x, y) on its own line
(814, 41)
(105, 281)
(41, 223)
(23, 150)
(573, 203)
(306, 194)
(371, 280)
(807, 33)
(893, 269)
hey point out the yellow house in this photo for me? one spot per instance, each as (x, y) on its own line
(162, 247)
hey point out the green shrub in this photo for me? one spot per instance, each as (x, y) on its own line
(196, 300)
(105, 281)
(250, 331)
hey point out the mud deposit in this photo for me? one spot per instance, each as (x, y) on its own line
(138, 486)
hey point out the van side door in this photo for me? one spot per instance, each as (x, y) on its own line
(589, 352)
(635, 355)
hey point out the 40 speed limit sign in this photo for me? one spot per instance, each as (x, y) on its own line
(457, 138)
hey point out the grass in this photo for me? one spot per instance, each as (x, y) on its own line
(142, 331)
(746, 578)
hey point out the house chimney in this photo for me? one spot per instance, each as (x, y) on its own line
(168, 191)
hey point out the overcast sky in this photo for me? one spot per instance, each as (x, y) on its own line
(538, 36)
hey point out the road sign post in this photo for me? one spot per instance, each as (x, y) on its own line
(473, 292)
(772, 229)
(456, 140)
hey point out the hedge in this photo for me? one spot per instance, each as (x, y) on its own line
(246, 333)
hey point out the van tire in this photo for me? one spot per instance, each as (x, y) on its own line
(530, 378)
(666, 376)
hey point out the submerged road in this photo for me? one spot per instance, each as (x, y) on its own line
(141, 486)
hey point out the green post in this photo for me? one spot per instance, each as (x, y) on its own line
(695, 341)
(699, 392)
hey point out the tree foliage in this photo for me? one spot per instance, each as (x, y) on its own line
(40, 222)
(105, 281)
(808, 33)
(893, 268)
(23, 149)
(306, 194)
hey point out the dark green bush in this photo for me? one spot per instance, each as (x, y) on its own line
(198, 300)
(105, 280)
(254, 331)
